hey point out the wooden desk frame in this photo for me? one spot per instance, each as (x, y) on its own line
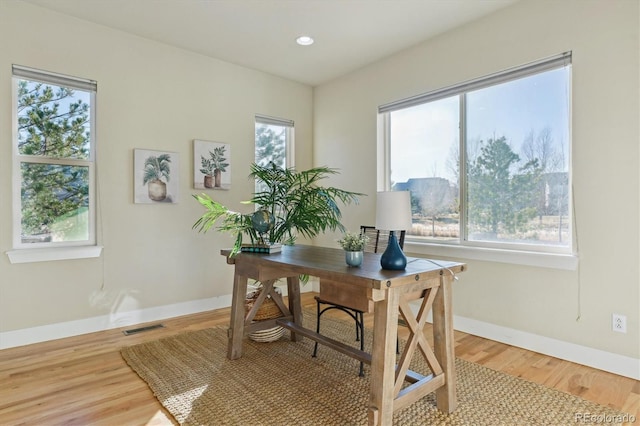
(388, 291)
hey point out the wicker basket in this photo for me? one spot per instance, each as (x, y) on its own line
(268, 309)
(268, 335)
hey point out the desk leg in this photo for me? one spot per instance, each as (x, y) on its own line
(383, 359)
(295, 305)
(236, 324)
(444, 343)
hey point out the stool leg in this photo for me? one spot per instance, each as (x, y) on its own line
(315, 346)
(361, 329)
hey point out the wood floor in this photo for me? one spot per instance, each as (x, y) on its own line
(84, 381)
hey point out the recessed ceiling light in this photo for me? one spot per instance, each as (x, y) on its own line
(304, 41)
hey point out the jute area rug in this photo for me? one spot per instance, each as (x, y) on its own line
(279, 383)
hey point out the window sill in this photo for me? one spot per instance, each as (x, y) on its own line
(567, 262)
(50, 254)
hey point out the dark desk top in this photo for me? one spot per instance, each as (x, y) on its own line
(329, 263)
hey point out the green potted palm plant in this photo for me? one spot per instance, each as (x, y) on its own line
(294, 200)
(290, 202)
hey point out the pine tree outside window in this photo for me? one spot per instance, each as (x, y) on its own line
(54, 160)
(274, 142)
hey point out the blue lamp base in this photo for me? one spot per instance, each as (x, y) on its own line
(393, 258)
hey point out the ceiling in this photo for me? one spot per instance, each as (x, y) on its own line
(260, 34)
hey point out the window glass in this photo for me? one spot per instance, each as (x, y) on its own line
(517, 156)
(54, 203)
(424, 160)
(273, 143)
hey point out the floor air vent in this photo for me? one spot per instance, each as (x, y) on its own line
(142, 329)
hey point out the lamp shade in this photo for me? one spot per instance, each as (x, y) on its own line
(393, 210)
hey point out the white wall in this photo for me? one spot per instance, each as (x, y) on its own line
(149, 96)
(531, 301)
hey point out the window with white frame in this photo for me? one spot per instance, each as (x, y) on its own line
(54, 159)
(487, 161)
(274, 141)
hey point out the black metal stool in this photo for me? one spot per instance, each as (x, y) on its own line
(358, 317)
(377, 242)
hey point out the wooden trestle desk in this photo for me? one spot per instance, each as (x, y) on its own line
(385, 293)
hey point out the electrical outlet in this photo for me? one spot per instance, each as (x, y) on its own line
(619, 323)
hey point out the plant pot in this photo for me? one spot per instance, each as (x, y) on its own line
(217, 178)
(208, 181)
(157, 190)
(354, 258)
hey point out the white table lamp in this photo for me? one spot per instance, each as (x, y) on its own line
(393, 213)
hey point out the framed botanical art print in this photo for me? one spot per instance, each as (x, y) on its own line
(156, 176)
(211, 165)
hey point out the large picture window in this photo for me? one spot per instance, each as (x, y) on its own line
(54, 154)
(487, 162)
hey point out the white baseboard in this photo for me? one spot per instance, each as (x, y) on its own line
(584, 355)
(596, 358)
(27, 336)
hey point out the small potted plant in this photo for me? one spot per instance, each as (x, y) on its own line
(353, 244)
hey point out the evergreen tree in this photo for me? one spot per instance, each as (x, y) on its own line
(270, 146)
(502, 195)
(52, 124)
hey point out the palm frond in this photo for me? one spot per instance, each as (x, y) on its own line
(297, 201)
(226, 220)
